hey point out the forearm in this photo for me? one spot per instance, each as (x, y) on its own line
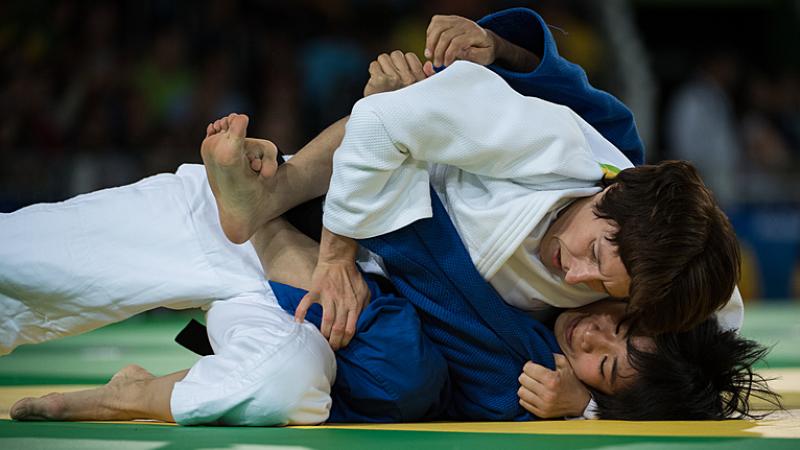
(306, 175)
(381, 181)
(513, 57)
(287, 256)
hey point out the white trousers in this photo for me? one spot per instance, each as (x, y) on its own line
(70, 267)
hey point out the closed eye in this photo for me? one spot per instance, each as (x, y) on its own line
(603, 366)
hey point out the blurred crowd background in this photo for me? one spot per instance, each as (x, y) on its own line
(101, 93)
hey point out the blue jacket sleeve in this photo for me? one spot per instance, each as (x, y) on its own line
(559, 81)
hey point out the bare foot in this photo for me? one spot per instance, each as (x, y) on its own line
(103, 403)
(237, 168)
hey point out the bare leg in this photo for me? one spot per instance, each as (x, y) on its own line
(133, 393)
(287, 255)
(248, 190)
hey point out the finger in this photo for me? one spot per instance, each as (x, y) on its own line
(255, 164)
(375, 69)
(428, 69)
(437, 21)
(433, 35)
(254, 148)
(536, 371)
(350, 327)
(254, 151)
(302, 307)
(328, 317)
(549, 379)
(209, 129)
(415, 66)
(435, 28)
(531, 408)
(387, 66)
(218, 125)
(441, 46)
(399, 61)
(337, 330)
(529, 396)
(532, 385)
(263, 156)
(456, 50)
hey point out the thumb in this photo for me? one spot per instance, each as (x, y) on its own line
(561, 361)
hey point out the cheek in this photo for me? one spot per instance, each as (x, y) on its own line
(586, 369)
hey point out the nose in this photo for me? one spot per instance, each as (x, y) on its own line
(597, 337)
(581, 271)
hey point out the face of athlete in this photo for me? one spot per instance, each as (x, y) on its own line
(595, 344)
(576, 247)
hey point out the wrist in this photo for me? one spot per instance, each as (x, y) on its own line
(511, 56)
(334, 247)
(499, 46)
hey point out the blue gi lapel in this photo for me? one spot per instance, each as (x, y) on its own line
(485, 340)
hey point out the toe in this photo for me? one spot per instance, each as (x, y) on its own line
(238, 125)
(19, 411)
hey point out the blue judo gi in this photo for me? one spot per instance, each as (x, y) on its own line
(441, 344)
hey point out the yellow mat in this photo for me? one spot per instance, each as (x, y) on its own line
(784, 424)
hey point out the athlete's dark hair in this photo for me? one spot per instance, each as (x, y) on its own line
(701, 374)
(678, 246)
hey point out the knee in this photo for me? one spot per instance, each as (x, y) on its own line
(285, 383)
(300, 392)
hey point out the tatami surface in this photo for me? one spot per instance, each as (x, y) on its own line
(83, 361)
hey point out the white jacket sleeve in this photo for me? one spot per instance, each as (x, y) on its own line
(466, 117)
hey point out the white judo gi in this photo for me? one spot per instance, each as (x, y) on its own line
(67, 268)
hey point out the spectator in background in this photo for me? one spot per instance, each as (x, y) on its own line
(765, 145)
(701, 126)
